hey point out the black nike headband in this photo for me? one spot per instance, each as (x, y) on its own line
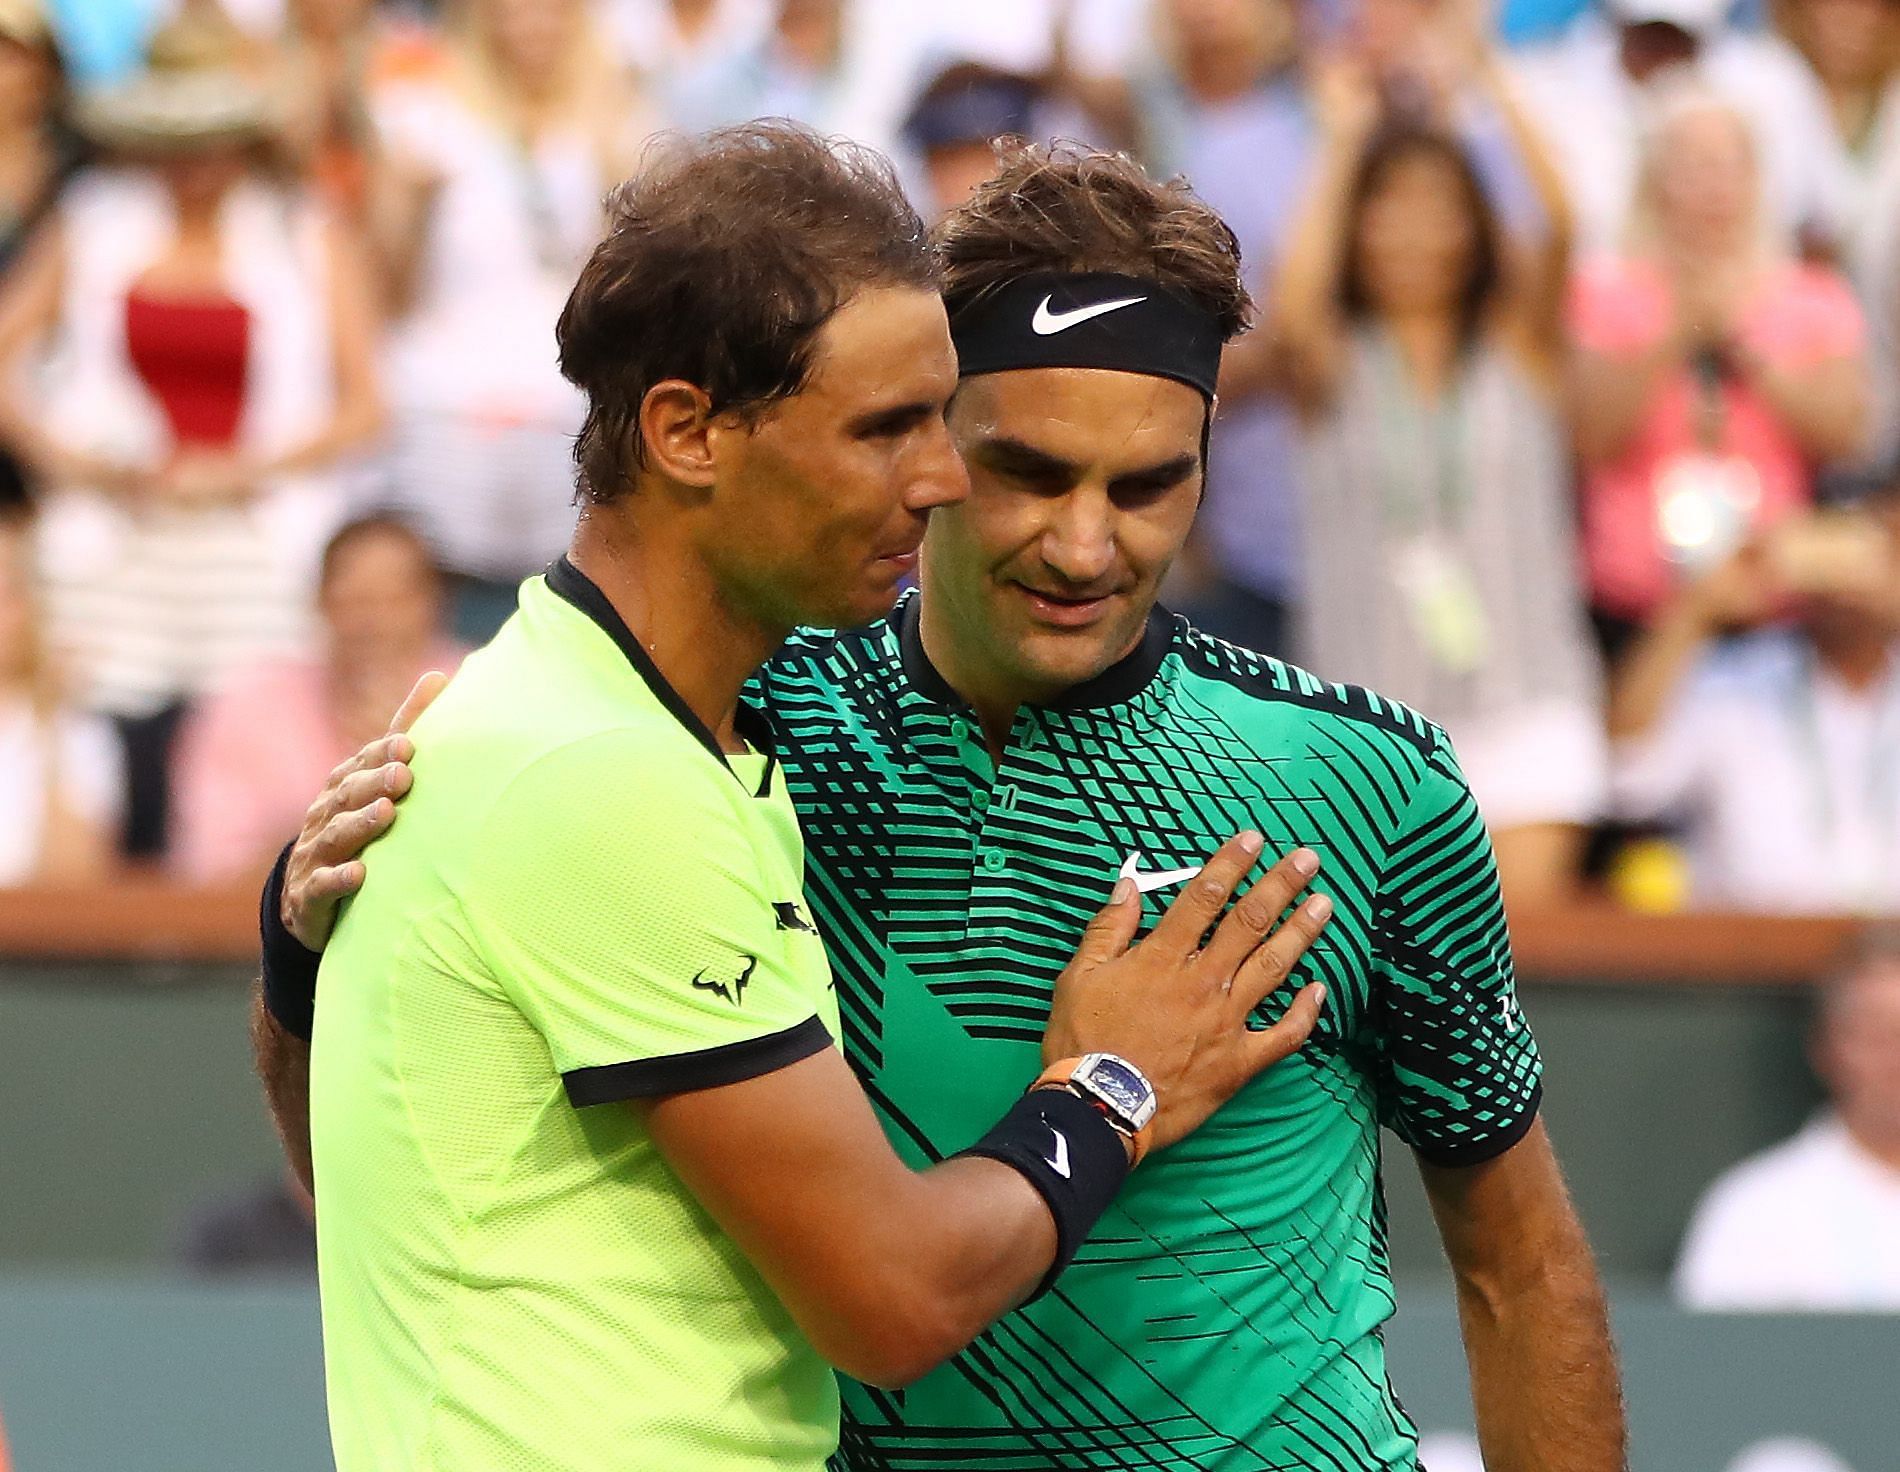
(1097, 320)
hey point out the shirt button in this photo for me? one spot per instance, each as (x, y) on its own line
(994, 860)
(959, 730)
(980, 799)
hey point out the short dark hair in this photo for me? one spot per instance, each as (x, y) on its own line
(724, 258)
(1073, 209)
(368, 526)
(1399, 142)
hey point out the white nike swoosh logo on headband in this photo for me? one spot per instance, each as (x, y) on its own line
(1047, 323)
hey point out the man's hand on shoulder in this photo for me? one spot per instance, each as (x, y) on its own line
(357, 803)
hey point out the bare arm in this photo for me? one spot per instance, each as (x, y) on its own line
(1544, 1379)
(889, 1271)
(840, 1227)
(1611, 395)
(282, 1061)
(1738, 592)
(358, 415)
(401, 209)
(75, 849)
(357, 804)
(1540, 269)
(29, 314)
(1825, 404)
(1308, 325)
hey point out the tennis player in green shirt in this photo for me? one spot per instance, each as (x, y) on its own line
(598, 1190)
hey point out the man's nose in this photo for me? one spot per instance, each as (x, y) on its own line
(1079, 544)
(937, 476)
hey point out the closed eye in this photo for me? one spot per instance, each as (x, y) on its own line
(1144, 486)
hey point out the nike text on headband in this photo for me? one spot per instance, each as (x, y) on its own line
(1098, 320)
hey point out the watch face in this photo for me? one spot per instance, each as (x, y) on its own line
(1123, 1089)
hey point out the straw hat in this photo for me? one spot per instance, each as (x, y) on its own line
(194, 90)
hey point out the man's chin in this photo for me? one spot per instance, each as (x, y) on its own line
(1055, 659)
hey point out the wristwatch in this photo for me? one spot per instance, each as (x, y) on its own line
(1119, 1091)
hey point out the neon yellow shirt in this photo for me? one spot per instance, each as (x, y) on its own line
(581, 903)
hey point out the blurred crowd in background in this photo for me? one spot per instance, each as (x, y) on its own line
(1571, 416)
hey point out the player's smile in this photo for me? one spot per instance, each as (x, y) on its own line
(1065, 610)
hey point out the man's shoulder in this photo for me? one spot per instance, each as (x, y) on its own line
(1769, 1185)
(506, 737)
(1289, 702)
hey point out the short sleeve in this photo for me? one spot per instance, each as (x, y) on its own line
(1459, 1075)
(619, 897)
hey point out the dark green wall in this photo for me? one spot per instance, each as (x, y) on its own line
(126, 1094)
(164, 1377)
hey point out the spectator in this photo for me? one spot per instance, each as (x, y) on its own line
(1778, 752)
(36, 152)
(1853, 47)
(207, 353)
(1231, 114)
(504, 159)
(1591, 91)
(954, 123)
(258, 746)
(1814, 1224)
(811, 63)
(1422, 349)
(333, 54)
(36, 155)
(59, 770)
(1714, 370)
(684, 52)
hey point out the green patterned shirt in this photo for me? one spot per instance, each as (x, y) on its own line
(1226, 1311)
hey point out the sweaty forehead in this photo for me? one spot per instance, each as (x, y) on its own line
(1082, 415)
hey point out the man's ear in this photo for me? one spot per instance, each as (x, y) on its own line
(676, 423)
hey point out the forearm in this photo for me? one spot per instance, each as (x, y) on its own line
(1654, 670)
(1253, 365)
(951, 1251)
(1533, 152)
(352, 427)
(1825, 407)
(283, 1064)
(1544, 273)
(1543, 1366)
(1611, 398)
(1306, 321)
(888, 1270)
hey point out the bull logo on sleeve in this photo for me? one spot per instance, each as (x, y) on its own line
(732, 990)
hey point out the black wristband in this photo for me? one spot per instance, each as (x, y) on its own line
(290, 967)
(1070, 1153)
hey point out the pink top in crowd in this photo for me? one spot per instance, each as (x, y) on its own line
(1800, 315)
(251, 758)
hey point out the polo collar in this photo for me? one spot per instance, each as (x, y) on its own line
(572, 585)
(1121, 682)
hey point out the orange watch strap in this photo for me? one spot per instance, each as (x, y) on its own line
(1058, 1076)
